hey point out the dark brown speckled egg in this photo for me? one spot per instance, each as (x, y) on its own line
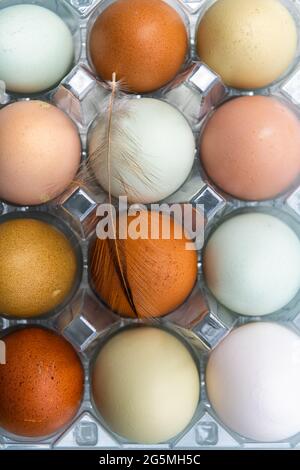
(41, 384)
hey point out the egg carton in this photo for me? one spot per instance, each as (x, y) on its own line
(201, 322)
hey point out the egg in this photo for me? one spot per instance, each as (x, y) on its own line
(152, 150)
(38, 267)
(252, 264)
(40, 152)
(41, 384)
(250, 147)
(249, 43)
(253, 381)
(145, 385)
(144, 42)
(36, 48)
(160, 273)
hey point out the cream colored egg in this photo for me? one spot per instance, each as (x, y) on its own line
(250, 43)
(145, 385)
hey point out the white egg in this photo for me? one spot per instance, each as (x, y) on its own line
(253, 381)
(36, 48)
(252, 264)
(152, 151)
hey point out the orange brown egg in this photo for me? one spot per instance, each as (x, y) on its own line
(160, 273)
(144, 42)
(41, 384)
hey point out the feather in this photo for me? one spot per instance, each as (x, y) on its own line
(109, 255)
(131, 169)
(125, 273)
(115, 245)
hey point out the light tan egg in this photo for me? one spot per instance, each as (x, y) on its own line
(249, 43)
(40, 152)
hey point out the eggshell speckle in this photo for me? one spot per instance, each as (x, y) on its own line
(145, 385)
(40, 152)
(143, 41)
(252, 264)
(38, 267)
(253, 381)
(41, 384)
(36, 48)
(161, 273)
(250, 147)
(249, 43)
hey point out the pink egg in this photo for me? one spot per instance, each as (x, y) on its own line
(250, 147)
(40, 152)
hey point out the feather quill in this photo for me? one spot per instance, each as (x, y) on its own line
(109, 255)
(116, 247)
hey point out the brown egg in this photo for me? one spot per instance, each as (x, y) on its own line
(41, 384)
(38, 267)
(40, 152)
(143, 41)
(160, 273)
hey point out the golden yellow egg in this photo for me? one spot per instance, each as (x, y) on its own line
(38, 267)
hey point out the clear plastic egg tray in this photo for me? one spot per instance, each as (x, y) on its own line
(201, 321)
